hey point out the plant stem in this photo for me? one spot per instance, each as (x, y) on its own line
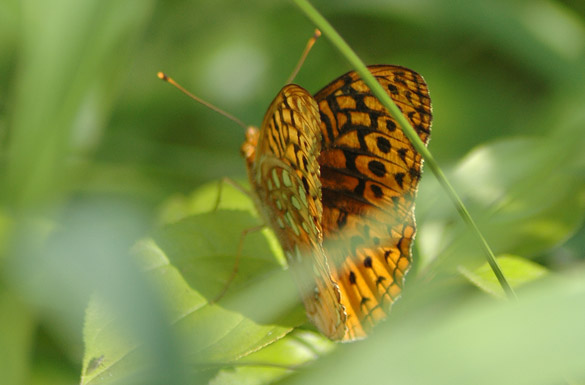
(387, 102)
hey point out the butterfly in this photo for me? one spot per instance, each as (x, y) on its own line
(335, 178)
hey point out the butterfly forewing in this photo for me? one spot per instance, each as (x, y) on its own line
(369, 175)
(284, 172)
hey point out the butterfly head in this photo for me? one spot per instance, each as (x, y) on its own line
(248, 148)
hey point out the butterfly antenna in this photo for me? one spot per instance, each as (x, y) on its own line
(164, 77)
(310, 44)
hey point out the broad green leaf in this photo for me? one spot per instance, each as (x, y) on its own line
(538, 340)
(203, 248)
(208, 334)
(189, 261)
(524, 205)
(277, 360)
(518, 271)
(203, 200)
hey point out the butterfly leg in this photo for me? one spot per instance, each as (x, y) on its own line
(232, 183)
(245, 232)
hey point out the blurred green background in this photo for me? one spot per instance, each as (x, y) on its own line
(92, 144)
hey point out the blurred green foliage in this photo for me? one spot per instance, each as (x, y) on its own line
(98, 158)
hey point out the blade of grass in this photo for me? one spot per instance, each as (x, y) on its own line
(387, 102)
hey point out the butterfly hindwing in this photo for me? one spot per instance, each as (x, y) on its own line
(369, 175)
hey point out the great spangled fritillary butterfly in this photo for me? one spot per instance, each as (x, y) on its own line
(335, 178)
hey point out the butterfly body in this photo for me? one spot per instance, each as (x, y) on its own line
(335, 179)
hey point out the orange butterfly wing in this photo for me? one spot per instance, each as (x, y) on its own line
(284, 173)
(369, 175)
(337, 169)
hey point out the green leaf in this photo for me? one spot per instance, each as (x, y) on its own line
(276, 360)
(203, 199)
(537, 340)
(519, 271)
(524, 204)
(189, 263)
(208, 334)
(203, 248)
